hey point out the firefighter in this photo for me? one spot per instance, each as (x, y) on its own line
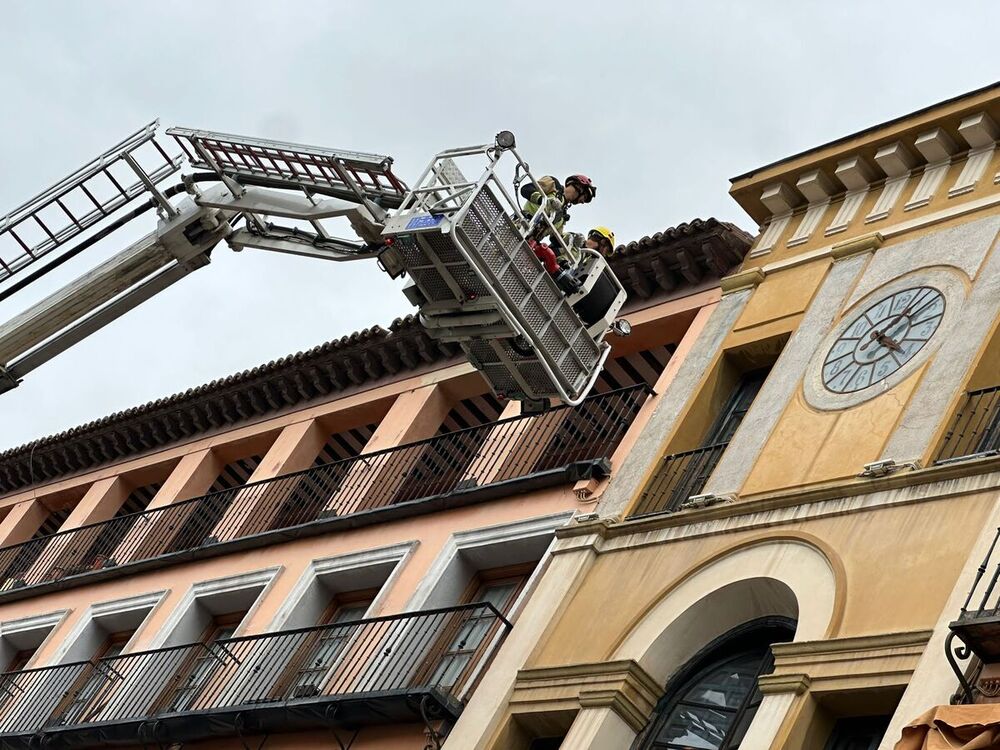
(556, 199)
(602, 240)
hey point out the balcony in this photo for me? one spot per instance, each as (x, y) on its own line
(678, 477)
(978, 624)
(975, 430)
(472, 465)
(407, 668)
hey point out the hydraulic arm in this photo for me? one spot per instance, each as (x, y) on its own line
(461, 241)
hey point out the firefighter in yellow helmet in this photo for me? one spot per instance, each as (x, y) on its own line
(602, 240)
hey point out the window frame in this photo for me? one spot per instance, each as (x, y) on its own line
(726, 648)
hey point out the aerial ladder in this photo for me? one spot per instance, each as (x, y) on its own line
(462, 242)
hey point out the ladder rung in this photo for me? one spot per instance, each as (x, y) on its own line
(295, 165)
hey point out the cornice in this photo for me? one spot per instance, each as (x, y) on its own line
(621, 685)
(747, 279)
(866, 243)
(610, 528)
(856, 647)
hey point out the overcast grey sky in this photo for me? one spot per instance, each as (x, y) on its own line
(660, 102)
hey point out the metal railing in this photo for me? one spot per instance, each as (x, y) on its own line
(984, 595)
(445, 464)
(975, 430)
(440, 652)
(977, 627)
(678, 477)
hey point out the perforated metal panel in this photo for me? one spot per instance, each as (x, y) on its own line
(462, 240)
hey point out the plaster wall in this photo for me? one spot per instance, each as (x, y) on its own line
(871, 553)
(778, 390)
(785, 442)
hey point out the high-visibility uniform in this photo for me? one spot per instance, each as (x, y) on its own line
(553, 204)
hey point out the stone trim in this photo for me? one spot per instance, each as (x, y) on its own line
(621, 685)
(774, 684)
(747, 279)
(140, 603)
(852, 645)
(857, 245)
(846, 663)
(895, 230)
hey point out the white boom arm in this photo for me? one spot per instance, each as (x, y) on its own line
(464, 243)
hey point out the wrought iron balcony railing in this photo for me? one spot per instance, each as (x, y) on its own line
(975, 430)
(462, 466)
(417, 666)
(978, 624)
(678, 477)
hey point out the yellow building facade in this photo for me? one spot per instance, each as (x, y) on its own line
(782, 558)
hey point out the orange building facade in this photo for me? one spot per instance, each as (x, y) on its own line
(329, 549)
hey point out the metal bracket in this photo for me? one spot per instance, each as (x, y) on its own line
(705, 501)
(966, 691)
(434, 737)
(888, 466)
(330, 716)
(8, 380)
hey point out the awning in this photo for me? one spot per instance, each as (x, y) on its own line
(974, 727)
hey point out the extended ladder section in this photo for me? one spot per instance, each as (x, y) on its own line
(478, 282)
(351, 175)
(63, 212)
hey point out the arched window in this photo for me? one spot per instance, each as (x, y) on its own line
(709, 705)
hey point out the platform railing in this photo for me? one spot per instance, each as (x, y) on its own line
(975, 428)
(438, 652)
(454, 462)
(677, 478)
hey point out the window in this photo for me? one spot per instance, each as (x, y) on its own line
(546, 743)
(322, 648)
(8, 679)
(20, 660)
(499, 587)
(195, 675)
(710, 705)
(84, 693)
(736, 408)
(681, 475)
(858, 733)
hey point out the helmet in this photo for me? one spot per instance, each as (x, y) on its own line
(603, 233)
(584, 184)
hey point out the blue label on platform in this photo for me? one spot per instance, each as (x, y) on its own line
(422, 222)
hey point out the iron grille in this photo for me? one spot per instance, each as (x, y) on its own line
(678, 477)
(975, 429)
(444, 464)
(438, 652)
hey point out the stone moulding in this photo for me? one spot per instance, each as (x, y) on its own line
(621, 685)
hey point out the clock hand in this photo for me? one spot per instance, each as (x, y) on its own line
(889, 342)
(882, 338)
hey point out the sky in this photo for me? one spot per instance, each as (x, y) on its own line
(659, 102)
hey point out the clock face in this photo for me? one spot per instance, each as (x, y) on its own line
(883, 338)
